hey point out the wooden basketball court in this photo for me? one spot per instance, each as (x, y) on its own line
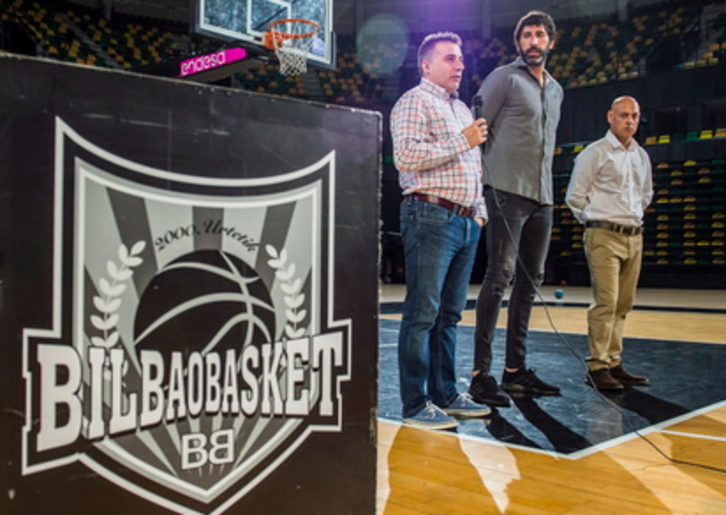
(424, 472)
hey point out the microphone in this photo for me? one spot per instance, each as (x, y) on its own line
(477, 104)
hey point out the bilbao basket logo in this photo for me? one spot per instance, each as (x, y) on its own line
(193, 346)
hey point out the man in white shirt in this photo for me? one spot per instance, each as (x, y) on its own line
(610, 187)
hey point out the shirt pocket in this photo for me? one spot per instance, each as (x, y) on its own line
(441, 128)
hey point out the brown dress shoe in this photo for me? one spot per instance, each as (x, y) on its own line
(602, 380)
(626, 377)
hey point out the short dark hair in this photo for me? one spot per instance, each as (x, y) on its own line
(424, 50)
(535, 18)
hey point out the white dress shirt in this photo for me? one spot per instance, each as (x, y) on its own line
(611, 182)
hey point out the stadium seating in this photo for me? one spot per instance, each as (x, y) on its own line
(589, 51)
(684, 225)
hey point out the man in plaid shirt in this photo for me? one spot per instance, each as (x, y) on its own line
(436, 151)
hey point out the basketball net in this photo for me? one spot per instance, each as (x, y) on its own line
(292, 40)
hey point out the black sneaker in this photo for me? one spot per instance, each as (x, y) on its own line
(485, 390)
(526, 381)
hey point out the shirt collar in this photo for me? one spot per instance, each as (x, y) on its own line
(437, 90)
(519, 63)
(615, 142)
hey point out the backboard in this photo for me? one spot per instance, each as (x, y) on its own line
(247, 21)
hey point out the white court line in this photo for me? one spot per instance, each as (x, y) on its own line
(694, 435)
(655, 428)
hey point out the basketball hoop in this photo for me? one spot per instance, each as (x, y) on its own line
(291, 39)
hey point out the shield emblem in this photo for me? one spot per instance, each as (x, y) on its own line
(193, 346)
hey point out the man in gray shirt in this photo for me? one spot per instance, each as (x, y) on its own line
(521, 103)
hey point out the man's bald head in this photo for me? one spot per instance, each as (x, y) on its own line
(624, 117)
(626, 99)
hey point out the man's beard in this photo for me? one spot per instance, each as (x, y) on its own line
(537, 59)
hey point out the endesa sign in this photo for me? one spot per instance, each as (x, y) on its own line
(206, 62)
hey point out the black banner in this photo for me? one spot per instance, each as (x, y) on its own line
(188, 296)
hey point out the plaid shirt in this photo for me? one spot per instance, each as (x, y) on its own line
(429, 150)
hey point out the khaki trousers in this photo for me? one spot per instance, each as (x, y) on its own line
(615, 260)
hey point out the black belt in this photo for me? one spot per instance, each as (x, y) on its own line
(620, 229)
(466, 212)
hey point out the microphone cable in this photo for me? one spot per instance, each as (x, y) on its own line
(599, 395)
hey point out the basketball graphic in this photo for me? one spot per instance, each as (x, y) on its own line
(186, 375)
(204, 301)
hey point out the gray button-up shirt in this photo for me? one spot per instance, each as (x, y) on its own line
(523, 119)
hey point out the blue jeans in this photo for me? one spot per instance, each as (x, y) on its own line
(440, 248)
(530, 224)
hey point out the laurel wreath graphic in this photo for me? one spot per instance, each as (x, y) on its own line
(294, 298)
(109, 302)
